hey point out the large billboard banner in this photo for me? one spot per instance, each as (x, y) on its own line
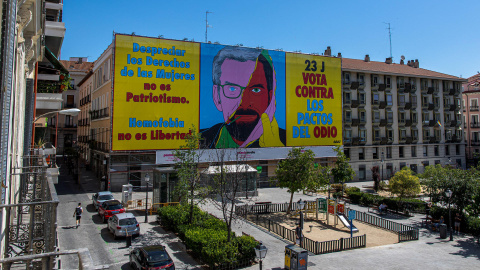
(235, 96)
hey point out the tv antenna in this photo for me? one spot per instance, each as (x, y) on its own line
(206, 25)
(390, 38)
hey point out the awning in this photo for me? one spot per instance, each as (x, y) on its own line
(53, 59)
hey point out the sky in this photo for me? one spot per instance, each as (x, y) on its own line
(440, 34)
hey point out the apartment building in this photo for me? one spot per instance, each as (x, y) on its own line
(398, 115)
(471, 97)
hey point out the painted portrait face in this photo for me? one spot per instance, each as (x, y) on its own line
(243, 96)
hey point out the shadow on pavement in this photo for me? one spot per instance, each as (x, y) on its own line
(468, 248)
(126, 266)
(97, 219)
(91, 208)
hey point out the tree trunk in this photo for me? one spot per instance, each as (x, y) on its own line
(290, 205)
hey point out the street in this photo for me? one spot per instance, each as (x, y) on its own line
(93, 234)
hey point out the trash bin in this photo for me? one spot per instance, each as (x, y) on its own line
(296, 258)
(129, 240)
(443, 231)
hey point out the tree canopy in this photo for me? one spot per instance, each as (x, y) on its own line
(404, 183)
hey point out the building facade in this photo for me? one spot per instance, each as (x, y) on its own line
(471, 97)
(398, 115)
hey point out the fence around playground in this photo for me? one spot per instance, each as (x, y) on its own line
(404, 232)
(315, 247)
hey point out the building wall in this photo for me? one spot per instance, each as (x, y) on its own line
(362, 153)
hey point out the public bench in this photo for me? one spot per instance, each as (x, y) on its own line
(375, 209)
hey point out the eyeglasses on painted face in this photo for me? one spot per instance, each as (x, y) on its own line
(234, 91)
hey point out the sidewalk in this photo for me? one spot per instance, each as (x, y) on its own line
(429, 252)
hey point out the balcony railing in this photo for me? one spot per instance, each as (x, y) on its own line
(474, 108)
(475, 124)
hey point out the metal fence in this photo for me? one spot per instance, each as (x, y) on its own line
(405, 232)
(311, 245)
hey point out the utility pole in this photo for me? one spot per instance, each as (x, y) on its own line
(206, 25)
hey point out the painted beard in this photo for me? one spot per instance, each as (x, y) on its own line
(243, 123)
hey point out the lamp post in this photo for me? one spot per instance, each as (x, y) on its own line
(147, 179)
(448, 193)
(261, 252)
(301, 205)
(383, 160)
(449, 161)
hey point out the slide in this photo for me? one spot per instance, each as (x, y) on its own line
(346, 223)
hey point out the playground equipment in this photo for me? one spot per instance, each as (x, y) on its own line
(345, 222)
(310, 209)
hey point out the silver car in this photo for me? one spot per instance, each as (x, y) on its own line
(101, 197)
(121, 224)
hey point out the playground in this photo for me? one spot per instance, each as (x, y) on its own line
(322, 225)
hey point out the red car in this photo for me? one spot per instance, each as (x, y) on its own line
(110, 208)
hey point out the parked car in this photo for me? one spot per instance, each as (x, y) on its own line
(120, 224)
(101, 197)
(151, 257)
(110, 208)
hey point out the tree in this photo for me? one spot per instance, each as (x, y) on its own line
(227, 183)
(320, 178)
(342, 172)
(296, 171)
(189, 188)
(464, 185)
(404, 183)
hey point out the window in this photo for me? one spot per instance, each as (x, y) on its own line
(70, 101)
(401, 100)
(403, 134)
(400, 82)
(363, 135)
(376, 117)
(474, 118)
(402, 164)
(346, 78)
(390, 117)
(401, 117)
(375, 98)
(414, 117)
(457, 149)
(363, 116)
(425, 151)
(374, 80)
(389, 100)
(346, 151)
(348, 116)
(413, 100)
(348, 136)
(426, 116)
(474, 103)
(437, 102)
(361, 153)
(423, 84)
(361, 78)
(390, 134)
(400, 152)
(388, 82)
(425, 164)
(361, 172)
(346, 98)
(361, 98)
(414, 151)
(376, 134)
(415, 134)
(436, 150)
(389, 152)
(435, 85)
(375, 152)
(424, 101)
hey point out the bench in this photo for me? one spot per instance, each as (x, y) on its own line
(375, 209)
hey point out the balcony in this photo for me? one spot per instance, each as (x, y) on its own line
(348, 121)
(408, 140)
(355, 122)
(355, 103)
(376, 140)
(382, 104)
(430, 90)
(402, 139)
(451, 92)
(47, 102)
(347, 141)
(69, 125)
(475, 142)
(432, 139)
(474, 108)
(408, 123)
(376, 122)
(356, 141)
(408, 105)
(475, 124)
(383, 140)
(383, 122)
(381, 87)
(452, 107)
(401, 122)
(354, 85)
(430, 107)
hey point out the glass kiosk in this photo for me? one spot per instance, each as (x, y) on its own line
(164, 181)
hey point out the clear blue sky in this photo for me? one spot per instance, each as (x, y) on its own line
(442, 34)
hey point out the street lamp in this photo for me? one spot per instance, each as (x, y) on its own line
(261, 252)
(383, 160)
(147, 179)
(448, 193)
(449, 161)
(301, 205)
(72, 112)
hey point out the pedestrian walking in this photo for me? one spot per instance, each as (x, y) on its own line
(458, 219)
(78, 213)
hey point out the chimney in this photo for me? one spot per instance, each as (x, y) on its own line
(416, 64)
(388, 60)
(402, 62)
(409, 63)
(328, 51)
(339, 55)
(80, 59)
(367, 58)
